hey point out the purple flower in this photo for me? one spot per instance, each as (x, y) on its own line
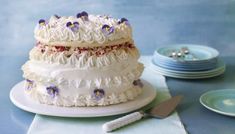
(57, 16)
(125, 21)
(42, 22)
(98, 94)
(73, 26)
(83, 15)
(138, 83)
(28, 80)
(107, 30)
(52, 91)
(29, 84)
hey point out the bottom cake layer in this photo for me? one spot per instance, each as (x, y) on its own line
(82, 100)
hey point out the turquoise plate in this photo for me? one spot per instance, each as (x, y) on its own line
(220, 101)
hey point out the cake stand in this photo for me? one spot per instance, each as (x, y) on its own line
(21, 100)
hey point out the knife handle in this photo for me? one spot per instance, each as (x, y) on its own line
(120, 122)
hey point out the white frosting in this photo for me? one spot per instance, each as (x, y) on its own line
(119, 78)
(84, 99)
(84, 60)
(89, 32)
(115, 78)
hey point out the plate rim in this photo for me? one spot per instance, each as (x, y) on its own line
(213, 109)
(188, 74)
(185, 68)
(191, 76)
(159, 61)
(24, 107)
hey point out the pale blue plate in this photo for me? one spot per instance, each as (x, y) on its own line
(206, 58)
(189, 67)
(220, 101)
(220, 65)
(203, 53)
(158, 59)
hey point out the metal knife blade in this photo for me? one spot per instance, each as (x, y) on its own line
(163, 109)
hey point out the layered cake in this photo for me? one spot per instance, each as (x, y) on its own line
(83, 60)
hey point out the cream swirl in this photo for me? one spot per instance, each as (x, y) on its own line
(89, 32)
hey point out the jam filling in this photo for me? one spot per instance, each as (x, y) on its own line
(98, 51)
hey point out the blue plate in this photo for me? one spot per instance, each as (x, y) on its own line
(175, 62)
(186, 68)
(220, 101)
(206, 58)
(203, 53)
(219, 68)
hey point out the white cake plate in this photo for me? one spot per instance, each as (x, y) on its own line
(21, 100)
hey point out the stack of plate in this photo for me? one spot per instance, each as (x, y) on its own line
(187, 61)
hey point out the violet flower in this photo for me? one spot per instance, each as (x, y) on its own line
(52, 91)
(83, 15)
(98, 94)
(107, 30)
(42, 22)
(138, 83)
(124, 21)
(57, 16)
(73, 26)
(29, 84)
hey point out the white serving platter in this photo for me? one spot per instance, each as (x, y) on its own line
(21, 100)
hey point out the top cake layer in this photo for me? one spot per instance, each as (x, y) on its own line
(83, 30)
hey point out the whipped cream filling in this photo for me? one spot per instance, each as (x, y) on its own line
(84, 60)
(89, 33)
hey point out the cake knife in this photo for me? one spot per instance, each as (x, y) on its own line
(160, 111)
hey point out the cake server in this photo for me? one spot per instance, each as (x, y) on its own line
(160, 111)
